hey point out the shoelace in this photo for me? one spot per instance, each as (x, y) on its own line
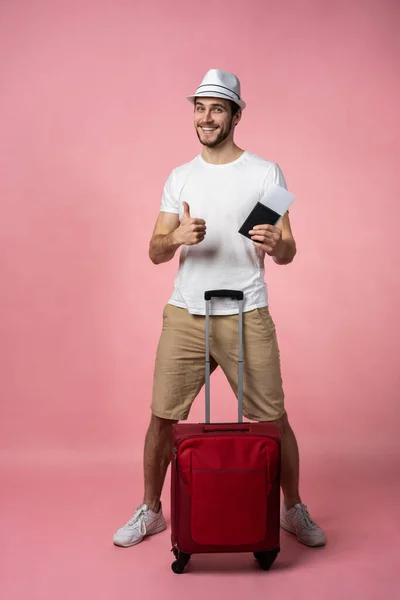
(303, 518)
(138, 521)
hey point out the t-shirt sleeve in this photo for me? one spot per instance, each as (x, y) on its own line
(275, 175)
(169, 201)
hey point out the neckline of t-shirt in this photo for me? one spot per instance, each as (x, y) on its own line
(229, 164)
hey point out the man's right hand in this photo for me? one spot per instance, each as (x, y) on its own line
(191, 231)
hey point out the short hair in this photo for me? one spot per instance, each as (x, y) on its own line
(234, 107)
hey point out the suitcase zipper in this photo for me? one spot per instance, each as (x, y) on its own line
(197, 437)
(183, 439)
(188, 437)
(175, 548)
(179, 473)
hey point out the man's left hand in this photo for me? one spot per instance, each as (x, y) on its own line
(268, 238)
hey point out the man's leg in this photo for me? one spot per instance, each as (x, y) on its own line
(157, 456)
(295, 516)
(289, 463)
(178, 377)
(263, 400)
(148, 518)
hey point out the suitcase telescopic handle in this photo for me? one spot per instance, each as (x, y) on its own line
(235, 295)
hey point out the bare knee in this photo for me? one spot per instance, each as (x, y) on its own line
(161, 425)
(283, 424)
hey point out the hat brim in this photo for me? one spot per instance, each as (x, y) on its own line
(210, 94)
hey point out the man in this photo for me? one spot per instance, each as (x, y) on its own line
(204, 204)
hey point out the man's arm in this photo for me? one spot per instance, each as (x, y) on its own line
(278, 242)
(169, 234)
(285, 250)
(163, 244)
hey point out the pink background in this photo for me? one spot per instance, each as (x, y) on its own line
(94, 117)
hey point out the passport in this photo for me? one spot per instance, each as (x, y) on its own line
(260, 215)
(269, 209)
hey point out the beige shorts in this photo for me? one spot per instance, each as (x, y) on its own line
(179, 372)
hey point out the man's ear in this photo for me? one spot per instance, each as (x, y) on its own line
(238, 116)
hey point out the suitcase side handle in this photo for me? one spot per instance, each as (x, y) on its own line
(225, 427)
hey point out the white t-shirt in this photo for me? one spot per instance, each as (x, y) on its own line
(222, 195)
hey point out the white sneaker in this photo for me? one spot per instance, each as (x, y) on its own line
(297, 520)
(143, 523)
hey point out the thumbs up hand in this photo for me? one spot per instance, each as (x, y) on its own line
(186, 210)
(191, 231)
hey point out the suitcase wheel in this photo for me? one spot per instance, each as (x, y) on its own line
(182, 559)
(266, 559)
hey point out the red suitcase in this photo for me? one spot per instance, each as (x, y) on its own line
(225, 479)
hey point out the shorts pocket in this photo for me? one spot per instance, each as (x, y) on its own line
(266, 321)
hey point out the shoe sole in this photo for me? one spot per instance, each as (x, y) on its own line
(290, 530)
(158, 529)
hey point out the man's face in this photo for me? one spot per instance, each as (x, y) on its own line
(213, 121)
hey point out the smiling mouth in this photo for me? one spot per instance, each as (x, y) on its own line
(208, 129)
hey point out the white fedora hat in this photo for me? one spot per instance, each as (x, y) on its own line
(219, 84)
